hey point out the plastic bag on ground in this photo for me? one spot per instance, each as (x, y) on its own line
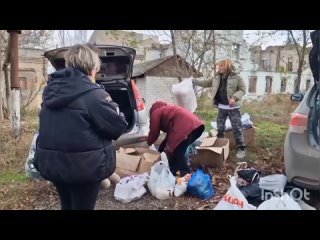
(234, 199)
(180, 189)
(30, 170)
(161, 183)
(131, 188)
(305, 206)
(184, 95)
(181, 185)
(164, 158)
(274, 183)
(245, 122)
(200, 185)
(284, 202)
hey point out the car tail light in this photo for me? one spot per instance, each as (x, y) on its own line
(137, 96)
(298, 123)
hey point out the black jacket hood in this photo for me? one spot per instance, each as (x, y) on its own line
(66, 85)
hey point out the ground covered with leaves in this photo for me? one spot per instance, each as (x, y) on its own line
(270, 117)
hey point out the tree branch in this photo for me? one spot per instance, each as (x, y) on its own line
(295, 44)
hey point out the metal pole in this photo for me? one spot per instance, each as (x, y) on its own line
(15, 86)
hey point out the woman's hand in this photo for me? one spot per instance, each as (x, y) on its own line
(232, 101)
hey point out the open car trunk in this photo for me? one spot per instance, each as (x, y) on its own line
(114, 75)
(122, 94)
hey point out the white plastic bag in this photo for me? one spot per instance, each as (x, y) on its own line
(164, 157)
(152, 147)
(30, 170)
(274, 183)
(184, 95)
(161, 183)
(304, 206)
(180, 189)
(234, 199)
(228, 125)
(131, 188)
(284, 202)
(245, 121)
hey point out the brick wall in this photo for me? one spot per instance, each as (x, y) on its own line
(156, 88)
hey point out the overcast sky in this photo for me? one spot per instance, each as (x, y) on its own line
(249, 35)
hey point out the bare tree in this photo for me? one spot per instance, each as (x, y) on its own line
(33, 94)
(62, 37)
(174, 48)
(1, 110)
(301, 40)
(5, 69)
(71, 37)
(40, 39)
(197, 47)
(301, 51)
(80, 36)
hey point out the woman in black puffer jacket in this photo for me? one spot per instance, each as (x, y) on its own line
(78, 122)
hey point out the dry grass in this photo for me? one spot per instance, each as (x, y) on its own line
(270, 116)
(274, 108)
(15, 186)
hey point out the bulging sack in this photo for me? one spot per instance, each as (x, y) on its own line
(131, 188)
(184, 95)
(284, 202)
(162, 182)
(200, 185)
(234, 199)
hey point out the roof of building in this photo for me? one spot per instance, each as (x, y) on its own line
(142, 68)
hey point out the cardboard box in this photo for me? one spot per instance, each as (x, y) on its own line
(213, 152)
(248, 135)
(133, 161)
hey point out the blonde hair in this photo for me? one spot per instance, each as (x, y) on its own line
(228, 64)
(83, 57)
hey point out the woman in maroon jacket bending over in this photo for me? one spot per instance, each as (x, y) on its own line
(182, 128)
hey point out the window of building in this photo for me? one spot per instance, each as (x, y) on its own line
(252, 84)
(308, 82)
(290, 65)
(268, 84)
(23, 83)
(283, 85)
(265, 64)
(236, 51)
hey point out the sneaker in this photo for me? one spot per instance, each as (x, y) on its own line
(114, 178)
(105, 184)
(240, 153)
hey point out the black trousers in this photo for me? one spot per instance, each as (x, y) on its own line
(78, 196)
(178, 161)
(235, 119)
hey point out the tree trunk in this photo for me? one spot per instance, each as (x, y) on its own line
(7, 83)
(1, 110)
(214, 53)
(297, 82)
(301, 59)
(204, 48)
(174, 49)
